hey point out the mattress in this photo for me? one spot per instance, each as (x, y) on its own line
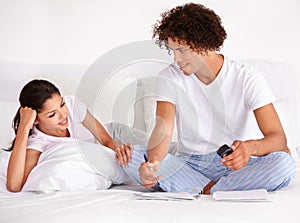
(119, 204)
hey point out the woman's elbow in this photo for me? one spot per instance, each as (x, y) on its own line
(13, 187)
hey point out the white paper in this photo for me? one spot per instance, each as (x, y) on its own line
(247, 195)
(164, 196)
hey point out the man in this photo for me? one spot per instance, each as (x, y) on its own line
(215, 101)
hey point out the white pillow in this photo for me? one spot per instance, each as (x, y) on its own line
(4, 157)
(102, 160)
(145, 107)
(62, 167)
(283, 82)
(71, 166)
(288, 116)
(8, 111)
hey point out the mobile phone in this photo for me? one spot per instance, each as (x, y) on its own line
(224, 150)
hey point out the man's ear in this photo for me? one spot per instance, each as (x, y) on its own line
(36, 121)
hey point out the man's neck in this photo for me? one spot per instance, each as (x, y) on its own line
(209, 72)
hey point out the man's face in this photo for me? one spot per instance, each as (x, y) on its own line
(188, 60)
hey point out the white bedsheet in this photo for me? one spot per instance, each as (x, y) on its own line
(120, 205)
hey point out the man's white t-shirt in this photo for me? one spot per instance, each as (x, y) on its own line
(77, 112)
(208, 116)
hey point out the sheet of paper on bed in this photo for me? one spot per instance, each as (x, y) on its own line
(248, 195)
(167, 196)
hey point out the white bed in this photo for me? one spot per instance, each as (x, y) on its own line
(120, 206)
(130, 86)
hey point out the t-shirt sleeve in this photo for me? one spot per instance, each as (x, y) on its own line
(37, 144)
(257, 91)
(76, 107)
(165, 87)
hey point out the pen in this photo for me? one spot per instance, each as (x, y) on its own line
(146, 160)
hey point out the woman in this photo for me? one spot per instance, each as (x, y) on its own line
(45, 117)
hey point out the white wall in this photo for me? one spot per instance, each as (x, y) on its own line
(80, 31)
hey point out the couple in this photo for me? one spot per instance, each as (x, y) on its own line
(215, 100)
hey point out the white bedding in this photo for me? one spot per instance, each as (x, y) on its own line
(70, 166)
(119, 205)
(82, 203)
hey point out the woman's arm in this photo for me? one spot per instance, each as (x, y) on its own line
(21, 160)
(123, 152)
(97, 129)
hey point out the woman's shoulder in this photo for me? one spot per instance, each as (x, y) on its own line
(72, 99)
(39, 140)
(69, 98)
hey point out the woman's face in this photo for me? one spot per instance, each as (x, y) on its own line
(53, 118)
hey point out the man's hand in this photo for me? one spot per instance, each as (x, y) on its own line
(148, 174)
(239, 157)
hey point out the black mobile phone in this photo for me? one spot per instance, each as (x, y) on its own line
(224, 150)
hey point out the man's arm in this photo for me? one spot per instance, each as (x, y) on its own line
(159, 142)
(274, 136)
(161, 136)
(274, 139)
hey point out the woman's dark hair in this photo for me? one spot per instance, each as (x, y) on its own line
(33, 95)
(191, 24)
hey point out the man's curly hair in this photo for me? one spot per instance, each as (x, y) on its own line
(191, 24)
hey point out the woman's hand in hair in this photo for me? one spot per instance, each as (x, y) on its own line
(27, 117)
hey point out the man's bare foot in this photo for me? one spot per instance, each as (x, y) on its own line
(206, 189)
(160, 190)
